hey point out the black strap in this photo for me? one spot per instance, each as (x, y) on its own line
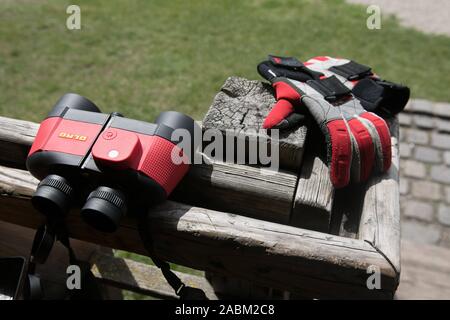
(352, 70)
(181, 290)
(382, 97)
(42, 245)
(331, 88)
(43, 242)
(286, 62)
(33, 288)
(288, 67)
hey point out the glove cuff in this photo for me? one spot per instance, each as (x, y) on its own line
(382, 97)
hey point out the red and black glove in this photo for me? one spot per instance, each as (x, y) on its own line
(358, 142)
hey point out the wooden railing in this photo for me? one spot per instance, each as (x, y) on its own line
(225, 242)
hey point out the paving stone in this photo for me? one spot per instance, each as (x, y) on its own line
(444, 214)
(420, 105)
(404, 119)
(426, 190)
(441, 109)
(440, 173)
(406, 150)
(447, 194)
(440, 140)
(446, 157)
(413, 168)
(424, 121)
(419, 210)
(417, 136)
(404, 186)
(427, 154)
(445, 238)
(443, 125)
(419, 232)
(402, 133)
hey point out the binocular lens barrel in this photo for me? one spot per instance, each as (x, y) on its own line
(103, 208)
(53, 196)
(73, 101)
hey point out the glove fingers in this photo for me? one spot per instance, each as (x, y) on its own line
(339, 153)
(278, 116)
(365, 147)
(384, 151)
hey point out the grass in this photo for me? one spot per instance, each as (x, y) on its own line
(141, 57)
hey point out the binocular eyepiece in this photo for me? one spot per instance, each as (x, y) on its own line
(53, 196)
(103, 208)
(108, 164)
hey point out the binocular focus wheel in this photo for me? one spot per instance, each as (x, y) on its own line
(53, 196)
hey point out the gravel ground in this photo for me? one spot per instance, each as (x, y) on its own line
(426, 16)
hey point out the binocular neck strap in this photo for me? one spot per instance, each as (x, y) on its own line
(42, 245)
(181, 290)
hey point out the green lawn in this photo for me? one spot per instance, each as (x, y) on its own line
(141, 57)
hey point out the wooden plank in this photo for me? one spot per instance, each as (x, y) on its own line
(380, 218)
(346, 212)
(425, 272)
(240, 189)
(142, 278)
(242, 105)
(236, 288)
(269, 254)
(315, 193)
(245, 190)
(16, 137)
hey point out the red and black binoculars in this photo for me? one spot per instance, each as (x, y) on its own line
(107, 164)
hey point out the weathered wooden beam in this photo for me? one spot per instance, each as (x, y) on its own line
(237, 288)
(380, 219)
(240, 189)
(245, 190)
(314, 195)
(269, 254)
(346, 211)
(16, 137)
(242, 105)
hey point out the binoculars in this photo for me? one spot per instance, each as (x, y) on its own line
(107, 164)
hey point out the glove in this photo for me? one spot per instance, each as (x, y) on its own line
(358, 142)
(376, 95)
